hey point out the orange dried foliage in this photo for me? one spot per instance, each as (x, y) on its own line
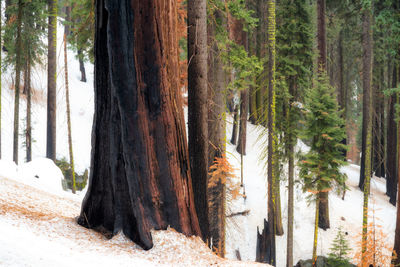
(222, 172)
(379, 252)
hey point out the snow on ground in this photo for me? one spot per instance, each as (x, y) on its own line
(38, 228)
(241, 230)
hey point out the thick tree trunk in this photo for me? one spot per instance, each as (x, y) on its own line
(52, 81)
(140, 174)
(367, 116)
(17, 82)
(71, 154)
(323, 213)
(216, 136)
(391, 163)
(28, 135)
(197, 108)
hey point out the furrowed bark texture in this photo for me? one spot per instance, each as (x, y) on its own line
(140, 174)
(52, 81)
(216, 136)
(197, 108)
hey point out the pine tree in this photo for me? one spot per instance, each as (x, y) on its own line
(320, 168)
(339, 252)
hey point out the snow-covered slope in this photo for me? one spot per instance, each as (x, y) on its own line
(38, 228)
(347, 213)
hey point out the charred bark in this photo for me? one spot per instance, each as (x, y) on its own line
(235, 125)
(264, 252)
(140, 174)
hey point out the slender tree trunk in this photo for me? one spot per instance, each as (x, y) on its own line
(67, 20)
(216, 135)
(197, 108)
(261, 54)
(315, 243)
(244, 103)
(289, 248)
(396, 248)
(17, 82)
(323, 221)
(235, 125)
(1, 19)
(140, 173)
(52, 81)
(271, 132)
(28, 136)
(391, 168)
(367, 116)
(71, 154)
(81, 66)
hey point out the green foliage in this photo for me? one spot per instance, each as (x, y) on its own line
(339, 251)
(65, 167)
(320, 167)
(32, 32)
(82, 28)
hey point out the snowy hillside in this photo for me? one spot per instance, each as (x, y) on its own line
(37, 226)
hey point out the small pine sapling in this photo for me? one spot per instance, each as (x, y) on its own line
(339, 253)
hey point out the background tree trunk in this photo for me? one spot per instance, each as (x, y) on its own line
(216, 134)
(323, 203)
(235, 125)
(28, 134)
(197, 108)
(52, 81)
(367, 115)
(140, 174)
(82, 66)
(71, 153)
(1, 19)
(391, 163)
(17, 82)
(272, 139)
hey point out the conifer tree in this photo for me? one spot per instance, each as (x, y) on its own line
(320, 168)
(339, 252)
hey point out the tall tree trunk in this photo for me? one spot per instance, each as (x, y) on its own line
(289, 248)
(216, 135)
(28, 135)
(261, 54)
(52, 81)
(71, 154)
(316, 223)
(67, 19)
(140, 173)
(235, 125)
(272, 139)
(396, 247)
(17, 82)
(197, 108)
(82, 66)
(244, 103)
(367, 115)
(323, 203)
(391, 165)
(1, 19)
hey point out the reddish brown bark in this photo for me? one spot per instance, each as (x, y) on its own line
(140, 175)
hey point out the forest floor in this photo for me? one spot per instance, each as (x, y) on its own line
(38, 228)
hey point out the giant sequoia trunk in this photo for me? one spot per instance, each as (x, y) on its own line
(140, 173)
(197, 108)
(216, 136)
(323, 221)
(51, 81)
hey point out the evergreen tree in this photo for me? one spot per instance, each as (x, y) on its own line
(320, 168)
(339, 253)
